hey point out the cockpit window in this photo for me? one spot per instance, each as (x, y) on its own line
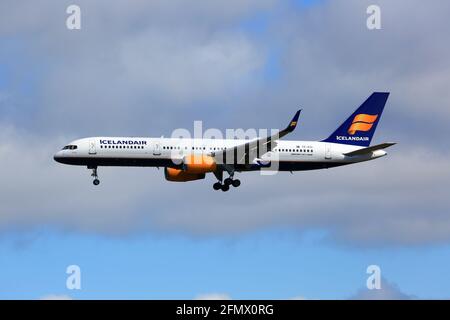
(70, 147)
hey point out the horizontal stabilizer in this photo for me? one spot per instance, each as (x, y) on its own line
(369, 149)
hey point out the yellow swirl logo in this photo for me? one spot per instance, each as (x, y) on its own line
(362, 122)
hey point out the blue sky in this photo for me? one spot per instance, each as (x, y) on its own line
(271, 264)
(146, 69)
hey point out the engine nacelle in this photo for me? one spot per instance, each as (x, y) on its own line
(179, 175)
(199, 164)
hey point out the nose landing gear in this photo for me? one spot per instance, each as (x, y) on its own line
(96, 181)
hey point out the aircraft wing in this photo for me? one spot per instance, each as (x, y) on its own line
(245, 153)
(369, 149)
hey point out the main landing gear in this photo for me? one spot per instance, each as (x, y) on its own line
(96, 181)
(226, 184)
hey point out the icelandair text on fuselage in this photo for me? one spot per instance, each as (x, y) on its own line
(124, 142)
(344, 138)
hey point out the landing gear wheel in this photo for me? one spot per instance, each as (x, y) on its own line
(228, 181)
(225, 187)
(94, 175)
(236, 183)
(217, 186)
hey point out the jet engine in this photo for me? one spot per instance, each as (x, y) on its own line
(197, 164)
(179, 175)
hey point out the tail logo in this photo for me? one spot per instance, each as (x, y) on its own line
(362, 122)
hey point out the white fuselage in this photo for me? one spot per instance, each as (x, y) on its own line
(167, 152)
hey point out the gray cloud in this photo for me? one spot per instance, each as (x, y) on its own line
(331, 61)
(152, 61)
(148, 67)
(388, 291)
(366, 204)
(146, 60)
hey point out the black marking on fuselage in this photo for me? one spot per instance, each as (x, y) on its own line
(164, 162)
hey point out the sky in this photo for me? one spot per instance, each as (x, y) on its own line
(147, 68)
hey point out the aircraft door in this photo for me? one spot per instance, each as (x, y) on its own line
(327, 151)
(92, 148)
(157, 149)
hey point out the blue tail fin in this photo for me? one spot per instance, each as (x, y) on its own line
(359, 128)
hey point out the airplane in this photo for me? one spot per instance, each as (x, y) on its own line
(191, 159)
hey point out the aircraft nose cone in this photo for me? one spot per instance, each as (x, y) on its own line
(58, 156)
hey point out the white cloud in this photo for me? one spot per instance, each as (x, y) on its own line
(388, 291)
(56, 297)
(213, 296)
(298, 298)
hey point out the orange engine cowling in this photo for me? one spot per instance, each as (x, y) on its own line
(179, 175)
(199, 164)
